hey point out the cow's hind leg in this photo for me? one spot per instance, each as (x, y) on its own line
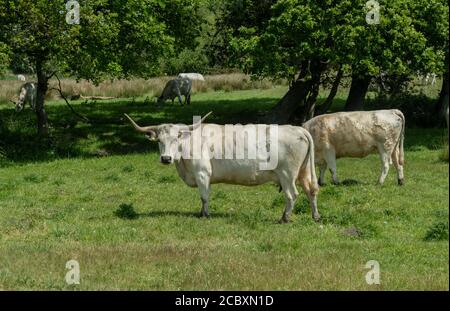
(203, 184)
(311, 191)
(385, 157)
(291, 194)
(398, 166)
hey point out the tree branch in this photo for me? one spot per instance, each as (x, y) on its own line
(67, 102)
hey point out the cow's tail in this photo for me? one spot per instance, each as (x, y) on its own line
(309, 161)
(401, 155)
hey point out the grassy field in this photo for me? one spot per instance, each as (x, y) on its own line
(97, 194)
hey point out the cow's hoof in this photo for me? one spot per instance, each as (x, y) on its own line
(204, 215)
(401, 182)
(316, 218)
(284, 220)
(321, 184)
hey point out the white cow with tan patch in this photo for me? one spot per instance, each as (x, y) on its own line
(358, 134)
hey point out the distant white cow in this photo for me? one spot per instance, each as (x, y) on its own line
(192, 76)
(358, 134)
(27, 94)
(21, 78)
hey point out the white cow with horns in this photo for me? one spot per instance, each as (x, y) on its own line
(358, 134)
(295, 162)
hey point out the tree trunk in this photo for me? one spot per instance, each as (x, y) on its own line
(442, 102)
(310, 104)
(301, 96)
(334, 88)
(290, 102)
(42, 120)
(357, 94)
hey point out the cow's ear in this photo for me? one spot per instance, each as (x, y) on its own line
(152, 136)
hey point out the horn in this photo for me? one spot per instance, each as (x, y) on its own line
(193, 127)
(145, 129)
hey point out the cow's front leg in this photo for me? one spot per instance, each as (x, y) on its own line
(330, 158)
(323, 169)
(203, 183)
(180, 99)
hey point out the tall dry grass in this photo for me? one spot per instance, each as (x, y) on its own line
(140, 87)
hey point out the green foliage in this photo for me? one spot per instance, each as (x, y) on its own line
(4, 57)
(114, 38)
(186, 61)
(336, 32)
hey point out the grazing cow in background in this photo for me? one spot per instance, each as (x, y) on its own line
(21, 78)
(358, 134)
(177, 88)
(27, 94)
(295, 162)
(192, 76)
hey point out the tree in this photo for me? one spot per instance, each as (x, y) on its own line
(295, 43)
(437, 34)
(397, 47)
(303, 39)
(117, 38)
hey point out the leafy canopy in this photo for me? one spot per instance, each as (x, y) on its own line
(336, 32)
(116, 38)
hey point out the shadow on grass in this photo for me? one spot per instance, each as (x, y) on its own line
(155, 214)
(350, 182)
(127, 212)
(111, 134)
(345, 183)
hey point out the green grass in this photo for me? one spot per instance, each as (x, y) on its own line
(97, 194)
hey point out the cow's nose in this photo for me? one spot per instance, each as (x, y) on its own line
(166, 159)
